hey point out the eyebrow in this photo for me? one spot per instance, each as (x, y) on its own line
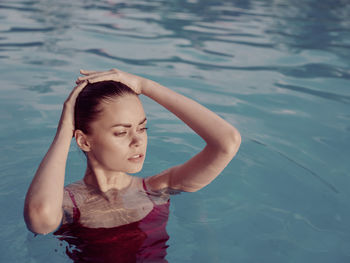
(127, 125)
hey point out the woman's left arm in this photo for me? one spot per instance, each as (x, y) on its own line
(222, 139)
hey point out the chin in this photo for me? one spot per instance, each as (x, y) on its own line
(134, 170)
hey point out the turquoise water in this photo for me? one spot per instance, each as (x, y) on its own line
(277, 70)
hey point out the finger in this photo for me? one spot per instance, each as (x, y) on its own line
(90, 72)
(81, 86)
(79, 81)
(101, 76)
(106, 77)
(82, 78)
(76, 90)
(87, 72)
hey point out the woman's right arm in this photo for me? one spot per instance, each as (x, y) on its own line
(43, 203)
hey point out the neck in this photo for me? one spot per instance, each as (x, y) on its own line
(106, 180)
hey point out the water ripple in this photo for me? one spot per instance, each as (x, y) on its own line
(134, 35)
(178, 34)
(247, 43)
(27, 29)
(28, 44)
(216, 53)
(311, 70)
(46, 86)
(18, 8)
(322, 94)
(315, 175)
(102, 53)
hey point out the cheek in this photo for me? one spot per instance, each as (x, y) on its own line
(114, 149)
(112, 153)
(109, 150)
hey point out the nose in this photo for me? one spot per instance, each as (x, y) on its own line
(136, 140)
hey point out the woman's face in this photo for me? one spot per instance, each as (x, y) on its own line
(118, 138)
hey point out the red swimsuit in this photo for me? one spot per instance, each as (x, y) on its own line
(141, 241)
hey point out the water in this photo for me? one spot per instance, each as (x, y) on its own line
(277, 70)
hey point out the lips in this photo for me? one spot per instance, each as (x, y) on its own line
(136, 157)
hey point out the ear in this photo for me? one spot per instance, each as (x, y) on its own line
(82, 140)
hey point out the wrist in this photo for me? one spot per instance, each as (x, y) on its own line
(65, 129)
(147, 86)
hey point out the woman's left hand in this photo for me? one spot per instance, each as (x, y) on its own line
(132, 81)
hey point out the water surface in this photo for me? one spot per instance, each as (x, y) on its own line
(277, 70)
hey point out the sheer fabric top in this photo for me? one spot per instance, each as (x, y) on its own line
(124, 226)
(110, 209)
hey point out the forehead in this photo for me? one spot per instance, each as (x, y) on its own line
(124, 109)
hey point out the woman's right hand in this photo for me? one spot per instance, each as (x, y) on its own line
(67, 116)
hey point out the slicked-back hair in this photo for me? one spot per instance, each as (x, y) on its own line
(88, 103)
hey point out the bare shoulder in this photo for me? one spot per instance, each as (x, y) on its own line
(160, 183)
(73, 196)
(76, 192)
(76, 187)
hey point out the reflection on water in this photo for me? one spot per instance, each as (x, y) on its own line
(279, 70)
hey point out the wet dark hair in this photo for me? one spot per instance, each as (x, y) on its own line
(87, 105)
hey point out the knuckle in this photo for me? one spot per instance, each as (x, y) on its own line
(66, 103)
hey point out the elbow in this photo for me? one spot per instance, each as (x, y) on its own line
(191, 189)
(232, 143)
(40, 219)
(237, 140)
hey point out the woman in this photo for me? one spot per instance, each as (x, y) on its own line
(110, 127)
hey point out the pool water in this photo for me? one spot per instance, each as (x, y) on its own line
(277, 70)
